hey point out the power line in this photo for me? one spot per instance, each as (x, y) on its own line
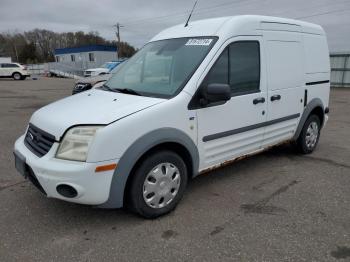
(314, 6)
(324, 13)
(205, 11)
(182, 13)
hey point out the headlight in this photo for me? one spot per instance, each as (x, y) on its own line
(82, 86)
(75, 144)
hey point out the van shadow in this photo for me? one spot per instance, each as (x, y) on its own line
(76, 215)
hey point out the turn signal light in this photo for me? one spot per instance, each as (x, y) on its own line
(105, 168)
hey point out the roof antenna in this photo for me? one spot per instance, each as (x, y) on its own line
(189, 17)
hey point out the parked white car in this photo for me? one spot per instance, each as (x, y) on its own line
(192, 99)
(13, 70)
(87, 83)
(103, 69)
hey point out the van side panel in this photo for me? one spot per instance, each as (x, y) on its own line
(316, 54)
(317, 67)
(285, 64)
(298, 73)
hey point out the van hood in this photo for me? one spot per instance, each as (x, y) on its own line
(95, 107)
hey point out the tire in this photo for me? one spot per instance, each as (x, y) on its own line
(157, 184)
(309, 135)
(16, 76)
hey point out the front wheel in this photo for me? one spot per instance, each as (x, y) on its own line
(17, 76)
(157, 184)
(309, 135)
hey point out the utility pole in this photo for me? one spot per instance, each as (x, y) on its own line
(117, 33)
(16, 52)
(118, 26)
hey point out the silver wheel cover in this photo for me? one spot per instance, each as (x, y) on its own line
(161, 185)
(311, 135)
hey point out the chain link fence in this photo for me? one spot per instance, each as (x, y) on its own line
(340, 69)
(55, 69)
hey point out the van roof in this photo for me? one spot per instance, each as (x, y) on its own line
(235, 25)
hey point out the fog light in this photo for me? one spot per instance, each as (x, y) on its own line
(67, 191)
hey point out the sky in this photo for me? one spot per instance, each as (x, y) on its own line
(142, 19)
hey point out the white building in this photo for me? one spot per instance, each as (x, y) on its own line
(5, 60)
(84, 57)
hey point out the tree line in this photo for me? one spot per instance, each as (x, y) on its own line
(38, 45)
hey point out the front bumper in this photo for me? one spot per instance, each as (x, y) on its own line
(92, 188)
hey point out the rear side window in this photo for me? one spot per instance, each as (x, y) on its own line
(9, 66)
(239, 67)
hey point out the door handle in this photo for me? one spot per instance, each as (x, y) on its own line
(259, 100)
(275, 97)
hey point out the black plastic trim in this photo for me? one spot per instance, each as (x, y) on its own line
(32, 178)
(248, 128)
(317, 83)
(305, 98)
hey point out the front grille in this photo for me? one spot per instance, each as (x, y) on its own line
(38, 141)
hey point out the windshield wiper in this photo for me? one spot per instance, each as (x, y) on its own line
(127, 91)
(120, 90)
(106, 87)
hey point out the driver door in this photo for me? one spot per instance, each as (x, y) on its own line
(234, 128)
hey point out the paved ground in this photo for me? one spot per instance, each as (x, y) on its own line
(276, 206)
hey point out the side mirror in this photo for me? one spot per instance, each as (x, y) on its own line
(215, 94)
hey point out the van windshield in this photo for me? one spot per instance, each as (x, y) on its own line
(161, 68)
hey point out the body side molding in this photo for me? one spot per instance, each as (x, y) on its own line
(248, 128)
(317, 83)
(134, 153)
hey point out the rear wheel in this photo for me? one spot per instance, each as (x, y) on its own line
(157, 184)
(309, 135)
(16, 76)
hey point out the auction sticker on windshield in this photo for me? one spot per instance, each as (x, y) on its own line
(199, 41)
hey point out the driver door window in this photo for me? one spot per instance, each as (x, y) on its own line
(239, 67)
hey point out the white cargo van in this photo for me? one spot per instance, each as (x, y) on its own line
(192, 99)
